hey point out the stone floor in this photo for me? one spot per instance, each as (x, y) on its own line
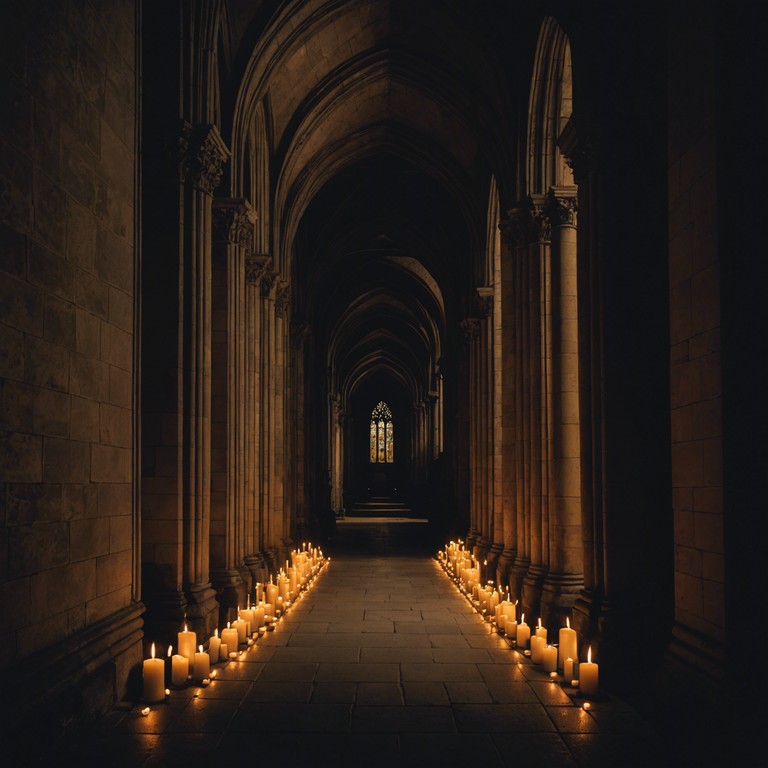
(382, 662)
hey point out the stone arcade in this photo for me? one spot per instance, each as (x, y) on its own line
(230, 228)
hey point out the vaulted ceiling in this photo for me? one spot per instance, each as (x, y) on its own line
(387, 119)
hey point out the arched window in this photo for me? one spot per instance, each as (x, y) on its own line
(382, 435)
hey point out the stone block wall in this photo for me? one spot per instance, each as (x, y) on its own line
(67, 266)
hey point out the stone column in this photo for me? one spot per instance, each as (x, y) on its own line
(281, 512)
(256, 268)
(203, 165)
(565, 579)
(300, 330)
(471, 328)
(234, 221)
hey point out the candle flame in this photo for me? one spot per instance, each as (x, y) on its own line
(170, 650)
(228, 624)
(539, 622)
(568, 621)
(522, 618)
(200, 647)
(589, 655)
(153, 650)
(216, 632)
(185, 626)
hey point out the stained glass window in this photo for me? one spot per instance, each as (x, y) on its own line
(382, 435)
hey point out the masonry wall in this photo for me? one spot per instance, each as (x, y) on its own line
(67, 269)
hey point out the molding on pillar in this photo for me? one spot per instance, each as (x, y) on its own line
(562, 206)
(202, 608)
(504, 566)
(203, 154)
(559, 594)
(494, 553)
(269, 283)
(580, 146)
(482, 302)
(257, 565)
(283, 298)
(230, 588)
(540, 222)
(256, 267)
(234, 221)
(533, 584)
(471, 328)
(516, 574)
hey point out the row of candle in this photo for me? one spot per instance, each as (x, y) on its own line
(462, 567)
(273, 599)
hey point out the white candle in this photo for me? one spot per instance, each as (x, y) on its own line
(549, 658)
(541, 631)
(272, 592)
(538, 643)
(179, 669)
(223, 652)
(588, 675)
(523, 633)
(154, 678)
(568, 669)
(214, 645)
(568, 646)
(510, 628)
(258, 617)
(187, 643)
(231, 637)
(202, 664)
(241, 626)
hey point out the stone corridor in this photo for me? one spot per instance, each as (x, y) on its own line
(382, 662)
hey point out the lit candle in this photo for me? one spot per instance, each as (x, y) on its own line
(272, 592)
(568, 669)
(214, 645)
(549, 658)
(187, 644)
(223, 652)
(568, 647)
(230, 637)
(588, 675)
(541, 631)
(241, 626)
(523, 632)
(154, 678)
(202, 664)
(538, 643)
(179, 669)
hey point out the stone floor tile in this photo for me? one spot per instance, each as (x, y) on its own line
(502, 672)
(358, 673)
(293, 653)
(573, 720)
(394, 640)
(454, 640)
(379, 694)
(608, 750)
(396, 616)
(551, 694)
(440, 672)
(334, 692)
(461, 655)
(288, 671)
(204, 716)
(535, 750)
(468, 693)
(410, 627)
(226, 689)
(411, 719)
(506, 692)
(361, 626)
(425, 692)
(448, 750)
(397, 655)
(181, 750)
(495, 718)
(284, 717)
(263, 691)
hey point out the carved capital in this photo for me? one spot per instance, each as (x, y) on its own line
(482, 302)
(256, 267)
(233, 221)
(283, 299)
(203, 156)
(516, 227)
(471, 328)
(268, 282)
(579, 145)
(540, 223)
(563, 208)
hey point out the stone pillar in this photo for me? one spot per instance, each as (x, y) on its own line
(471, 328)
(565, 579)
(256, 267)
(234, 221)
(281, 479)
(300, 330)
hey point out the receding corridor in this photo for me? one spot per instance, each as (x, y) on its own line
(382, 662)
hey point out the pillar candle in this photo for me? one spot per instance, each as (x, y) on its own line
(179, 669)
(568, 645)
(549, 658)
(246, 614)
(510, 629)
(258, 617)
(214, 646)
(502, 622)
(272, 592)
(568, 669)
(588, 675)
(223, 652)
(523, 633)
(538, 643)
(202, 664)
(541, 631)
(154, 678)
(187, 643)
(231, 637)
(241, 626)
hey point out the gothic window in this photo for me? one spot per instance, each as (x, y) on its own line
(382, 447)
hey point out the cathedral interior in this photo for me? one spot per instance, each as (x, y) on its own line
(270, 269)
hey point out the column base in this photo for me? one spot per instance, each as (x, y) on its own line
(202, 609)
(230, 592)
(558, 596)
(257, 566)
(516, 575)
(494, 553)
(503, 568)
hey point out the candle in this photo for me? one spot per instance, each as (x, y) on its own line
(223, 652)
(187, 643)
(523, 632)
(541, 631)
(568, 645)
(231, 637)
(202, 665)
(510, 629)
(538, 643)
(241, 626)
(154, 678)
(568, 669)
(179, 669)
(549, 658)
(214, 645)
(588, 675)
(272, 592)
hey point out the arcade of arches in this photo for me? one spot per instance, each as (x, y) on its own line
(230, 228)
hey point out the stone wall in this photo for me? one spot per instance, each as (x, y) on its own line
(67, 311)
